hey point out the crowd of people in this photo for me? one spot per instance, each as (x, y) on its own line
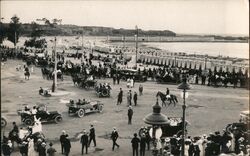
(213, 144)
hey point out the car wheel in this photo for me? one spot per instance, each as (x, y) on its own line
(81, 113)
(100, 108)
(3, 123)
(28, 122)
(58, 119)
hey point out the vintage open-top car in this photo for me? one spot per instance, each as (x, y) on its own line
(45, 116)
(242, 125)
(173, 128)
(85, 107)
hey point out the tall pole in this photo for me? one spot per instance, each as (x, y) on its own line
(55, 70)
(15, 41)
(184, 123)
(136, 46)
(205, 62)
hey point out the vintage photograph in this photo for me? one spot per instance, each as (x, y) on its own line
(124, 78)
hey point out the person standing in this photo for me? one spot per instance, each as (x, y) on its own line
(42, 149)
(120, 95)
(118, 78)
(140, 90)
(84, 142)
(135, 98)
(92, 135)
(114, 79)
(67, 145)
(51, 151)
(143, 145)
(114, 137)
(6, 149)
(135, 144)
(62, 140)
(132, 82)
(130, 114)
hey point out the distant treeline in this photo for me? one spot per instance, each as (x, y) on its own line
(73, 30)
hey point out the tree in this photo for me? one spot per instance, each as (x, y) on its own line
(14, 30)
(3, 31)
(36, 32)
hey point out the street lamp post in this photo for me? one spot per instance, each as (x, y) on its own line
(184, 86)
(156, 119)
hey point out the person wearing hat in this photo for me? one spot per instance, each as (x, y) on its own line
(135, 144)
(6, 149)
(51, 151)
(84, 141)
(130, 114)
(92, 135)
(135, 98)
(62, 140)
(23, 148)
(217, 141)
(42, 149)
(120, 95)
(67, 145)
(114, 137)
(143, 144)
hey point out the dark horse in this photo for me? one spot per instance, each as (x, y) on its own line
(172, 98)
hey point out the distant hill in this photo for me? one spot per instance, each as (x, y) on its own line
(72, 30)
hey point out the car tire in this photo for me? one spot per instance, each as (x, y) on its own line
(81, 113)
(3, 122)
(28, 121)
(58, 119)
(100, 108)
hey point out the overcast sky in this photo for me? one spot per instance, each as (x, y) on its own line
(181, 16)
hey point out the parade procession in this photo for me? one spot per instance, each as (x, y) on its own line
(81, 81)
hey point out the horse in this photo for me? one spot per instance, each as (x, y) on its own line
(172, 98)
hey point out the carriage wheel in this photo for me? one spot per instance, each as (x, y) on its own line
(100, 108)
(28, 122)
(3, 123)
(81, 113)
(58, 119)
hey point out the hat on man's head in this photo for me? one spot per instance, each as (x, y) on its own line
(167, 139)
(114, 128)
(50, 144)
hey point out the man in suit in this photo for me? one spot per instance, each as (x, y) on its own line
(120, 95)
(114, 137)
(135, 144)
(135, 98)
(67, 145)
(130, 114)
(62, 140)
(84, 141)
(92, 135)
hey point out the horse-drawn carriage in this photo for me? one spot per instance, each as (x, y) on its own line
(45, 116)
(173, 128)
(48, 73)
(167, 79)
(103, 90)
(82, 108)
(132, 73)
(84, 81)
